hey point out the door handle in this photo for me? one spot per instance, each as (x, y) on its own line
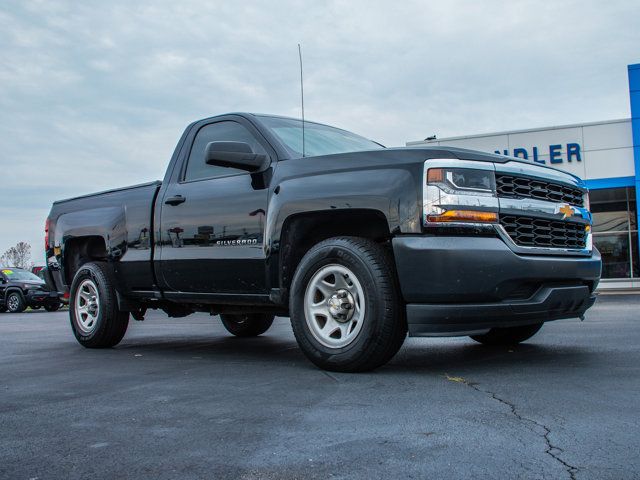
(177, 200)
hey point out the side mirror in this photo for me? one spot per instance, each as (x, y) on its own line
(235, 155)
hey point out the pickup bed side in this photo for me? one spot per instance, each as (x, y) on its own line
(113, 226)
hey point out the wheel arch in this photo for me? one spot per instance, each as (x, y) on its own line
(80, 250)
(11, 290)
(302, 231)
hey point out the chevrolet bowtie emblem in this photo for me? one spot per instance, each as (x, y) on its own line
(566, 211)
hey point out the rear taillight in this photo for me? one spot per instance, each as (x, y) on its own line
(46, 234)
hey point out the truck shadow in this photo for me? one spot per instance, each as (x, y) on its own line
(470, 357)
(431, 356)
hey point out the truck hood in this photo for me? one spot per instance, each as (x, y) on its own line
(390, 157)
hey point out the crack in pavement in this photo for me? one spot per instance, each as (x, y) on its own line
(552, 450)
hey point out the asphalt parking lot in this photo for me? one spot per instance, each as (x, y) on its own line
(180, 398)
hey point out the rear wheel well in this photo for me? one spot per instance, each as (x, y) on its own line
(303, 231)
(80, 250)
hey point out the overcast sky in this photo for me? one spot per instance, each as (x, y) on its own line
(94, 95)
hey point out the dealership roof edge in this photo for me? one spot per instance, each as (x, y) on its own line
(525, 130)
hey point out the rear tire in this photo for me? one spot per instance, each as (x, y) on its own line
(247, 325)
(51, 307)
(15, 303)
(345, 307)
(507, 336)
(93, 308)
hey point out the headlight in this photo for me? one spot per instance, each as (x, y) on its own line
(459, 195)
(461, 180)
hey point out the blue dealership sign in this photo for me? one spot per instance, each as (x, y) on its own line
(574, 153)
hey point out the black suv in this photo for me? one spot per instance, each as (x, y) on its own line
(20, 289)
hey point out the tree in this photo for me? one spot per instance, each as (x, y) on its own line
(18, 256)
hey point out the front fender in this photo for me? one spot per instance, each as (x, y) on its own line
(391, 191)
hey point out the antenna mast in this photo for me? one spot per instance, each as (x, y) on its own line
(301, 97)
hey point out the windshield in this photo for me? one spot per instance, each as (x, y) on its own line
(318, 139)
(21, 275)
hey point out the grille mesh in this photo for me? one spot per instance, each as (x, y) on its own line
(541, 232)
(525, 187)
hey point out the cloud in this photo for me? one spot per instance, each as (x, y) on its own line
(94, 95)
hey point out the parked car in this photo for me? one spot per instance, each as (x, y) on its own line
(20, 289)
(359, 244)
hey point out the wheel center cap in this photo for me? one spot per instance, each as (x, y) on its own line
(341, 305)
(92, 306)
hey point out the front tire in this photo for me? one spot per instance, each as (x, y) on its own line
(93, 308)
(247, 325)
(508, 335)
(15, 303)
(345, 307)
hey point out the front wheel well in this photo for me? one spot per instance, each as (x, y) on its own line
(11, 290)
(303, 231)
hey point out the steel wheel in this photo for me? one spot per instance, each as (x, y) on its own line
(87, 306)
(334, 306)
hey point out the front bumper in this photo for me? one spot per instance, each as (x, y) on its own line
(458, 285)
(39, 297)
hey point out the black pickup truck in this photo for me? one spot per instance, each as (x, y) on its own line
(358, 244)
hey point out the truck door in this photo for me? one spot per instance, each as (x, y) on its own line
(212, 220)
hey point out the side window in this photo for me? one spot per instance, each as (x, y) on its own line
(216, 132)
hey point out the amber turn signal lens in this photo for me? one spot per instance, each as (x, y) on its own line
(435, 175)
(464, 216)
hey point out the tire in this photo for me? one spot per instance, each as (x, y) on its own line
(362, 304)
(93, 308)
(35, 307)
(3, 309)
(15, 303)
(508, 336)
(248, 325)
(52, 307)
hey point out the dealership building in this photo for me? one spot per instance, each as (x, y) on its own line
(607, 156)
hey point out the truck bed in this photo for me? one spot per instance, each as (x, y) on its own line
(121, 220)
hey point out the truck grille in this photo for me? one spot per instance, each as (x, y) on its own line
(525, 187)
(541, 232)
